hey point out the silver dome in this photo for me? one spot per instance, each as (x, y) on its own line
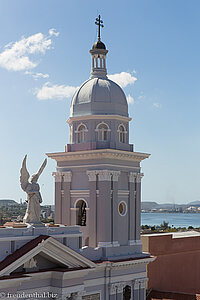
(99, 96)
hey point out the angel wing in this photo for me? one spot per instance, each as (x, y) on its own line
(24, 175)
(42, 168)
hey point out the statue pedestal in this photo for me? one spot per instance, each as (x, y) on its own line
(39, 224)
(24, 225)
(15, 225)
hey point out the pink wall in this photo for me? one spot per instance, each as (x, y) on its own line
(177, 266)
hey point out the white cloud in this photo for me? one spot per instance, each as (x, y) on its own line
(53, 31)
(40, 75)
(54, 91)
(49, 91)
(36, 76)
(157, 104)
(130, 99)
(17, 56)
(123, 78)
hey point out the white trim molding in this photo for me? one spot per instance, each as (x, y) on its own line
(140, 283)
(115, 244)
(139, 177)
(135, 242)
(102, 123)
(105, 244)
(99, 117)
(117, 288)
(92, 175)
(99, 154)
(115, 175)
(104, 175)
(135, 177)
(80, 199)
(125, 208)
(132, 176)
(81, 124)
(57, 176)
(78, 193)
(124, 193)
(66, 176)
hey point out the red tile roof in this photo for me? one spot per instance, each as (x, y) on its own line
(156, 295)
(21, 251)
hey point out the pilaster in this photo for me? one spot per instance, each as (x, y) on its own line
(92, 177)
(115, 214)
(66, 200)
(132, 208)
(58, 197)
(139, 288)
(138, 204)
(104, 209)
(116, 290)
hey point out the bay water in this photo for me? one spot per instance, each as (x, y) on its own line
(175, 219)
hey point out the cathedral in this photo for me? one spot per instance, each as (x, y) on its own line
(94, 251)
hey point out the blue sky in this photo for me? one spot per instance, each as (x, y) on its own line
(47, 56)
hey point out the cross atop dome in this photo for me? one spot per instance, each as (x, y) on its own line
(98, 53)
(99, 23)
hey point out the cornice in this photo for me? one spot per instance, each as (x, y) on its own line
(126, 263)
(130, 263)
(99, 154)
(97, 117)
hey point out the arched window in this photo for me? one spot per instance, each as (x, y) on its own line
(122, 133)
(81, 213)
(102, 130)
(127, 292)
(81, 130)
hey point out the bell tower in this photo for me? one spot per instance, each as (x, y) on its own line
(98, 176)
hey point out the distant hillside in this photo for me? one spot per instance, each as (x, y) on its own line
(7, 202)
(148, 205)
(194, 203)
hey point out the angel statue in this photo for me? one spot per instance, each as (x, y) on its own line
(32, 188)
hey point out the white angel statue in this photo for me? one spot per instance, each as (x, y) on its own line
(32, 188)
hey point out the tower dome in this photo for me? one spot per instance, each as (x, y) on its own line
(99, 95)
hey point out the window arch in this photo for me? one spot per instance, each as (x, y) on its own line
(102, 130)
(127, 292)
(81, 216)
(122, 133)
(81, 130)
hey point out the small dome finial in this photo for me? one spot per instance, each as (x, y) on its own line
(99, 23)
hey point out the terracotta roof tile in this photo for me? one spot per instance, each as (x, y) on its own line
(157, 295)
(21, 251)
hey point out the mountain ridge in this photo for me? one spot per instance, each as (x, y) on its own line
(148, 205)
